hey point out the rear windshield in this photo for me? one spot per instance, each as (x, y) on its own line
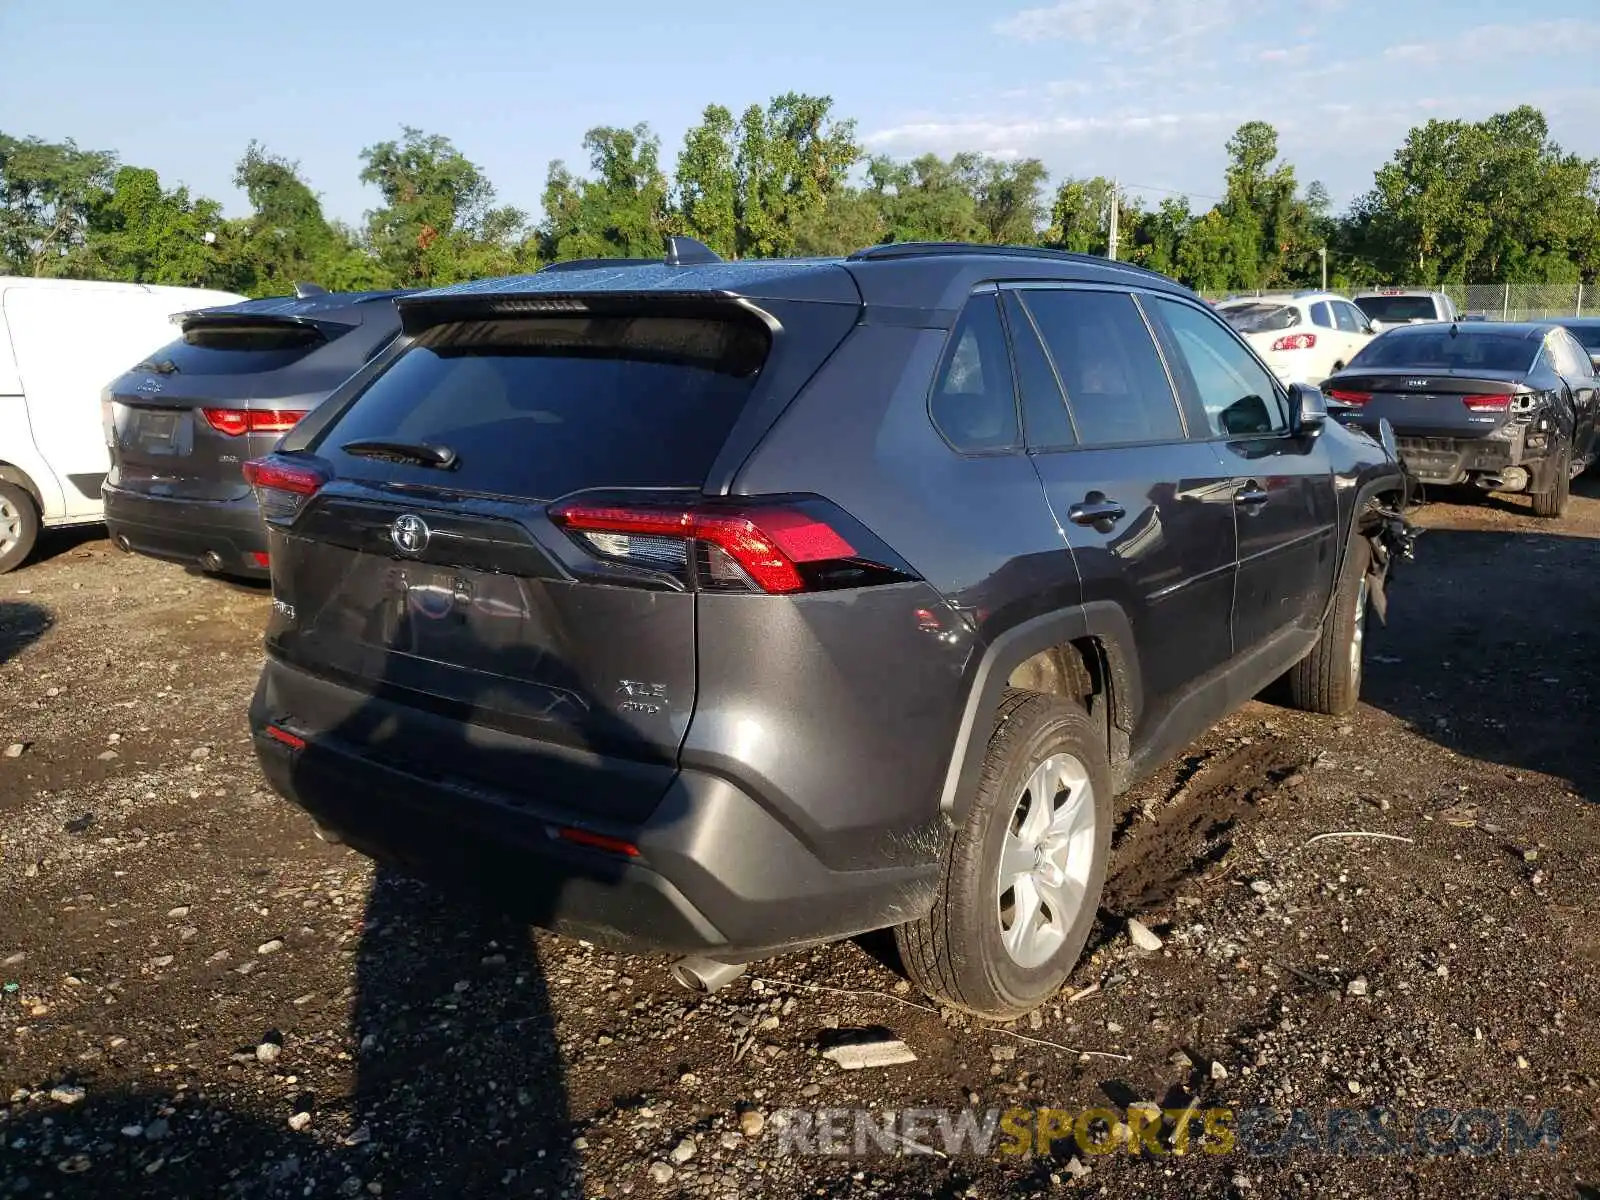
(237, 349)
(1396, 309)
(1260, 318)
(538, 407)
(1439, 350)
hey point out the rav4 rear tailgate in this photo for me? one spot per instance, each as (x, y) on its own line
(427, 572)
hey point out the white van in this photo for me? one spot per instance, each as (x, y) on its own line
(61, 342)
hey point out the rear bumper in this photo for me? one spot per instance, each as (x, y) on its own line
(1445, 461)
(716, 871)
(186, 531)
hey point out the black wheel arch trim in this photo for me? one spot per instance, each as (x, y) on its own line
(1102, 620)
(17, 477)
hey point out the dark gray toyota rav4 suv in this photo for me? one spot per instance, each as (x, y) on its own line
(722, 608)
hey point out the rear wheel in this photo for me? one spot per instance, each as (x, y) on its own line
(19, 526)
(1328, 680)
(1554, 502)
(1025, 869)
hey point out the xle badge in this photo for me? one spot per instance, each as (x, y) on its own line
(641, 696)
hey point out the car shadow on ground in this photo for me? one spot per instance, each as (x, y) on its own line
(457, 1089)
(21, 624)
(457, 1082)
(1491, 649)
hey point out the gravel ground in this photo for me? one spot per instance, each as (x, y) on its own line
(200, 998)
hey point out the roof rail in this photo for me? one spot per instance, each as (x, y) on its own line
(896, 250)
(304, 291)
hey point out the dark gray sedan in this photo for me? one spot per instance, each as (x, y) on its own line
(1505, 407)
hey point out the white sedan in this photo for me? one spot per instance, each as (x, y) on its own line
(1303, 336)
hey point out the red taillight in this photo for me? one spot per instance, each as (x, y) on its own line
(293, 741)
(282, 487)
(260, 558)
(1344, 397)
(597, 841)
(237, 421)
(761, 547)
(1296, 341)
(1486, 404)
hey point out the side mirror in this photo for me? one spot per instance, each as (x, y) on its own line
(1308, 412)
(1375, 325)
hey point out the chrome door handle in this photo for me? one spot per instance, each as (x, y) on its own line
(1252, 495)
(1095, 509)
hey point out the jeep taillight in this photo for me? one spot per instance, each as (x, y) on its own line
(282, 486)
(236, 422)
(777, 547)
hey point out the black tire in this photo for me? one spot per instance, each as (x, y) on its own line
(1553, 503)
(957, 953)
(1328, 679)
(19, 526)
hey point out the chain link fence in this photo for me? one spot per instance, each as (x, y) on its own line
(1507, 301)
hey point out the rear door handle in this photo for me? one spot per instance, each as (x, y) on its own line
(1252, 495)
(1095, 509)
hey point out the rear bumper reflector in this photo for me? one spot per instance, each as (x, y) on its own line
(597, 841)
(293, 741)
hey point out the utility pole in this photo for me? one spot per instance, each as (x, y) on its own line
(1111, 241)
(1323, 253)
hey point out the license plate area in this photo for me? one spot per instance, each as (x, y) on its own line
(161, 432)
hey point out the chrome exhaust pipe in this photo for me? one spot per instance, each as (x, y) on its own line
(122, 543)
(1512, 479)
(211, 561)
(705, 974)
(331, 836)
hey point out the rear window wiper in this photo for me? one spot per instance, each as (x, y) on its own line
(416, 453)
(165, 367)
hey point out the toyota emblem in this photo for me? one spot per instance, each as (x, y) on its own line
(409, 534)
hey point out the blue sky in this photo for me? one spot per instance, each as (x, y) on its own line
(1147, 90)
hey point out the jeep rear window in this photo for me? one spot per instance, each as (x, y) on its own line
(1395, 309)
(538, 407)
(242, 348)
(1260, 318)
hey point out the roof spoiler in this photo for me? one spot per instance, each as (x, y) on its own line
(681, 252)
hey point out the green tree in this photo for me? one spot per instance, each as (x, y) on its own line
(438, 223)
(139, 232)
(46, 192)
(708, 181)
(287, 239)
(1487, 201)
(1008, 197)
(789, 159)
(925, 200)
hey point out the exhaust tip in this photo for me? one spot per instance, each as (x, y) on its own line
(705, 975)
(211, 560)
(122, 543)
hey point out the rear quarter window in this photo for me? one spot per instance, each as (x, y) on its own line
(540, 407)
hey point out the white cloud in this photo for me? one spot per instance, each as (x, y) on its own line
(1489, 41)
(1132, 24)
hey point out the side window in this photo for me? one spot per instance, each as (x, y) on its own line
(974, 401)
(1044, 410)
(1321, 314)
(1237, 393)
(1350, 320)
(1117, 389)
